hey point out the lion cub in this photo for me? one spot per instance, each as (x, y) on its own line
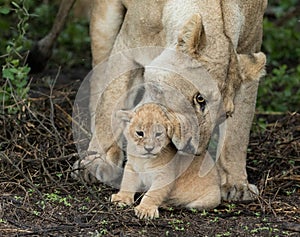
(154, 165)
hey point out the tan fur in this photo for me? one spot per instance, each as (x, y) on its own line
(152, 162)
(214, 33)
(82, 9)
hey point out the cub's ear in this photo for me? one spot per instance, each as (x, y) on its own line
(252, 66)
(124, 115)
(192, 37)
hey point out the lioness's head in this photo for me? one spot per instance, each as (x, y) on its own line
(184, 79)
(148, 130)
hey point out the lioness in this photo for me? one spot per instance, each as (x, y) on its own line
(217, 34)
(153, 165)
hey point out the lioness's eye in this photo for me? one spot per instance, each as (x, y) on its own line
(140, 133)
(158, 134)
(201, 101)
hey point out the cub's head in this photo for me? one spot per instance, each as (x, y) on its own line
(148, 130)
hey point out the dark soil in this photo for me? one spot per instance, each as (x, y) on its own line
(39, 198)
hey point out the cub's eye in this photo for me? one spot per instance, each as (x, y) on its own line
(158, 134)
(201, 101)
(140, 133)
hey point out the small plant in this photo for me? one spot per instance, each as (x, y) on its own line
(18, 198)
(15, 86)
(216, 219)
(143, 232)
(41, 204)
(83, 208)
(264, 229)
(97, 233)
(177, 225)
(223, 234)
(204, 213)
(257, 214)
(36, 213)
(230, 207)
(290, 192)
(87, 199)
(56, 198)
(3, 221)
(194, 210)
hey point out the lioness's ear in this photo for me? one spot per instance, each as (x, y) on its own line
(183, 134)
(252, 66)
(124, 115)
(170, 129)
(192, 37)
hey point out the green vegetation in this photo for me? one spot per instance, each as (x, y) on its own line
(178, 225)
(17, 21)
(14, 87)
(280, 90)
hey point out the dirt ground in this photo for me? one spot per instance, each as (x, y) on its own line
(39, 198)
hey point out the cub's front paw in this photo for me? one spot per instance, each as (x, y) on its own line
(122, 199)
(242, 192)
(146, 212)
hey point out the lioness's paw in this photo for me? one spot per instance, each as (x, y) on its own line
(244, 192)
(146, 212)
(81, 169)
(94, 170)
(122, 200)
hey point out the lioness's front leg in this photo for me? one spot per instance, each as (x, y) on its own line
(106, 140)
(232, 162)
(106, 21)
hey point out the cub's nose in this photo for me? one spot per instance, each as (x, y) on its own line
(149, 148)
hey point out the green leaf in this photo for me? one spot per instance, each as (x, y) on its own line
(21, 84)
(6, 73)
(4, 10)
(16, 5)
(4, 96)
(13, 70)
(15, 62)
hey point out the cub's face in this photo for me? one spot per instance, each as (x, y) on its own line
(147, 131)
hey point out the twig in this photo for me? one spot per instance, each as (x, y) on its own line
(51, 86)
(22, 173)
(291, 226)
(73, 121)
